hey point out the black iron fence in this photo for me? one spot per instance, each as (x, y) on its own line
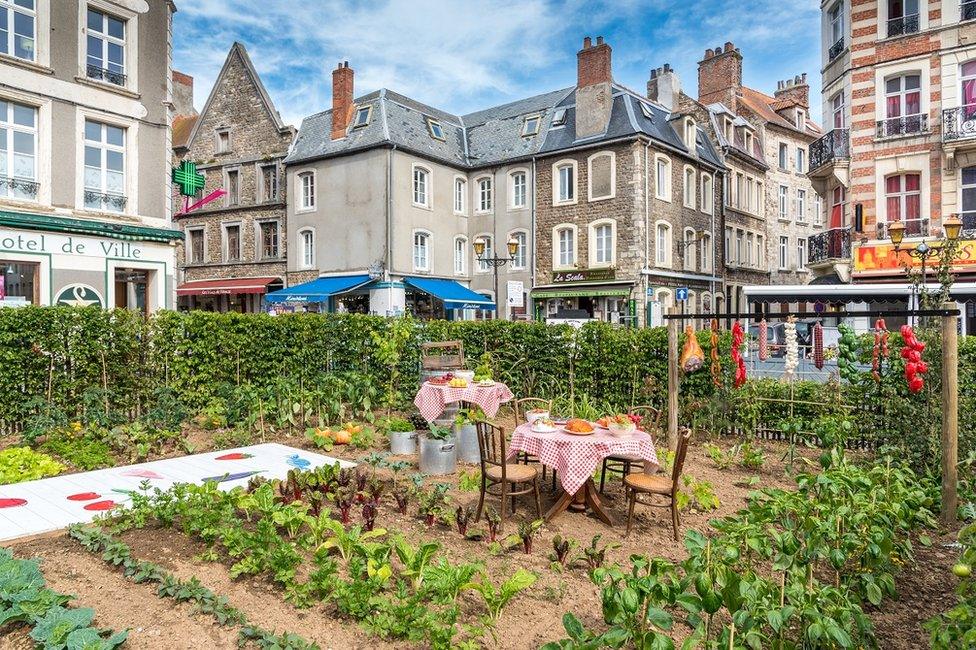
(904, 125)
(902, 25)
(834, 145)
(959, 123)
(833, 244)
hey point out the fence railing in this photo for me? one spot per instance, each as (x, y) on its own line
(959, 123)
(831, 244)
(902, 25)
(913, 228)
(903, 125)
(834, 145)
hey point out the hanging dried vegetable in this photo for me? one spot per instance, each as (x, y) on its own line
(692, 357)
(818, 349)
(847, 353)
(880, 348)
(792, 360)
(740, 365)
(716, 365)
(763, 340)
(915, 368)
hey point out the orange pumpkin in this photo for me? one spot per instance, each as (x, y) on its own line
(353, 428)
(342, 437)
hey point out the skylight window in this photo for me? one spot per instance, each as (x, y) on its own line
(559, 117)
(362, 116)
(531, 125)
(435, 128)
(646, 110)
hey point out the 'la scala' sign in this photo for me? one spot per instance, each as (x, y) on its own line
(589, 275)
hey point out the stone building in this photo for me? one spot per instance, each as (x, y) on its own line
(85, 101)
(234, 247)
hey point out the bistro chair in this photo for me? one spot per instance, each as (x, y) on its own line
(522, 406)
(621, 463)
(496, 471)
(655, 484)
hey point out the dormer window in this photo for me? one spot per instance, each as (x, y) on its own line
(691, 132)
(646, 110)
(363, 113)
(531, 125)
(435, 129)
(748, 139)
(728, 129)
(801, 119)
(559, 117)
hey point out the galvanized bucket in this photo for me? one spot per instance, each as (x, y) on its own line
(438, 456)
(403, 442)
(467, 441)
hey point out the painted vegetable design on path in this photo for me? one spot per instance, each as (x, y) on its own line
(237, 455)
(298, 462)
(142, 473)
(915, 368)
(231, 477)
(12, 503)
(84, 496)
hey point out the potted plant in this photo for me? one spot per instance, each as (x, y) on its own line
(467, 435)
(403, 436)
(438, 451)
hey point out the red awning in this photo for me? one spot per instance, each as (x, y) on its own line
(224, 287)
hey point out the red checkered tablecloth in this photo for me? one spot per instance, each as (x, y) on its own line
(577, 457)
(431, 399)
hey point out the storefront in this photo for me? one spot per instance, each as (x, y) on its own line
(243, 295)
(338, 293)
(592, 294)
(430, 298)
(49, 260)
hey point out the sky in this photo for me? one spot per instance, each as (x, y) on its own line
(462, 56)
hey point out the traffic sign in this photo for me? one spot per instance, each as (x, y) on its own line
(681, 293)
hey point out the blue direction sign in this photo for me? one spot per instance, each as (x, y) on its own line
(681, 293)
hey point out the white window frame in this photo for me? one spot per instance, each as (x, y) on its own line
(557, 177)
(190, 250)
(741, 254)
(421, 174)
(131, 19)
(512, 203)
(801, 254)
(783, 161)
(838, 117)
(667, 259)
(706, 254)
(783, 257)
(460, 199)
(760, 252)
(489, 239)
(592, 242)
(526, 131)
(818, 210)
(557, 263)
(460, 262)
(662, 190)
(689, 257)
(691, 133)
(227, 197)
(707, 193)
(302, 250)
(9, 8)
(783, 203)
(801, 160)
(801, 205)
(259, 239)
(301, 204)
(485, 201)
(729, 261)
(130, 164)
(356, 123)
(613, 176)
(835, 23)
(427, 237)
(35, 133)
(522, 251)
(224, 241)
(689, 182)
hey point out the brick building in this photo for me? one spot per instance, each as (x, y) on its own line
(234, 248)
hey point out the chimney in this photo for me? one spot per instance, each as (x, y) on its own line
(796, 89)
(182, 94)
(342, 95)
(664, 87)
(720, 76)
(594, 96)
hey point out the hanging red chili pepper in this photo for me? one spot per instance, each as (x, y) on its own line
(915, 368)
(763, 341)
(818, 351)
(880, 348)
(740, 365)
(716, 366)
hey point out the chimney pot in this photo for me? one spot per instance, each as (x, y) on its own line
(593, 64)
(803, 77)
(728, 46)
(599, 40)
(709, 53)
(587, 43)
(718, 50)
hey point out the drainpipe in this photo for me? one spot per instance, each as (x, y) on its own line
(647, 225)
(530, 315)
(389, 229)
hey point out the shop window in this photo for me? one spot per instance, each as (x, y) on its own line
(131, 289)
(19, 281)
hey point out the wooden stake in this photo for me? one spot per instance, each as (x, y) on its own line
(674, 379)
(950, 415)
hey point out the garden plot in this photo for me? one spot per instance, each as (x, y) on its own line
(54, 503)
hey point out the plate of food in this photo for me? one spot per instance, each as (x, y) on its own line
(621, 425)
(438, 381)
(578, 427)
(534, 414)
(486, 383)
(543, 425)
(602, 423)
(458, 382)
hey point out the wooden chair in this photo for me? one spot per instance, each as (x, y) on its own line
(522, 406)
(655, 484)
(495, 470)
(621, 463)
(443, 355)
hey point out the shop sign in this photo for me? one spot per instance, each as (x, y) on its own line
(577, 293)
(515, 291)
(78, 295)
(884, 257)
(35, 242)
(588, 275)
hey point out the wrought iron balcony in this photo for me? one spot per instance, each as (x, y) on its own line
(913, 228)
(838, 47)
(103, 74)
(18, 188)
(101, 201)
(967, 10)
(968, 223)
(834, 145)
(905, 125)
(833, 244)
(902, 25)
(959, 123)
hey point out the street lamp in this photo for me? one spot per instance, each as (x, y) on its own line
(951, 228)
(480, 247)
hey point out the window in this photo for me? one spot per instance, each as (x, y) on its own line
(519, 189)
(421, 187)
(750, 148)
(689, 189)
(421, 251)
(565, 187)
(460, 195)
(662, 249)
(489, 252)
(761, 252)
(566, 250)
(968, 79)
(706, 252)
(18, 147)
(729, 257)
(691, 133)
(740, 192)
(903, 195)
(601, 176)
(306, 243)
(837, 199)
(801, 254)
(269, 183)
(784, 156)
(835, 16)
(784, 253)
(707, 198)
(741, 256)
(531, 125)
(306, 190)
(784, 202)
(520, 252)
(106, 48)
(223, 140)
(968, 215)
(751, 202)
(268, 232)
(233, 187)
(837, 110)
(196, 246)
(17, 25)
(817, 211)
(662, 178)
(902, 17)
(559, 117)
(20, 280)
(232, 242)
(104, 167)
(750, 248)
(602, 243)
(903, 105)
(689, 249)
(801, 206)
(484, 194)
(363, 113)
(460, 252)
(801, 156)
(801, 119)
(435, 129)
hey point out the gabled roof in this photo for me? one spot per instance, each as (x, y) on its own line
(765, 107)
(238, 50)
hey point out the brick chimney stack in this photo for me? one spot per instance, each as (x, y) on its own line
(720, 76)
(664, 87)
(796, 89)
(183, 94)
(342, 96)
(594, 94)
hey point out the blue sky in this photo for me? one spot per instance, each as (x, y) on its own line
(465, 56)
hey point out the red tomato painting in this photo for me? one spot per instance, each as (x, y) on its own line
(85, 496)
(101, 505)
(12, 503)
(235, 456)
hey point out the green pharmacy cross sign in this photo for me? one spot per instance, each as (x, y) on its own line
(188, 178)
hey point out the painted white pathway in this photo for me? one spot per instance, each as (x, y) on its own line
(55, 503)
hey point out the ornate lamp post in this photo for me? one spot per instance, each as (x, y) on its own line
(479, 250)
(951, 228)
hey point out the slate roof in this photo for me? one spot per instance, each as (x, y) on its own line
(490, 136)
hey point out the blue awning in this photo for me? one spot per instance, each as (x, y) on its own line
(454, 294)
(319, 289)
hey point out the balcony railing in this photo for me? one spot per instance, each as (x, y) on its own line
(835, 145)
(913, 228)
(967, 10)
(905, 125)
(833, 244)
(18, 188)
(838, 47)
(102, 74)
(902, 25)
(102, 201)
(959, 123)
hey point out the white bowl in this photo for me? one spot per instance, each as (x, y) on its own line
(465, 374)
(531, 417)
(621, 430)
